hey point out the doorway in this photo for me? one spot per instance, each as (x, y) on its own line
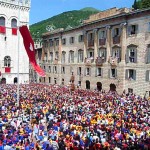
(87, 84)
(3, 81)
(99, 86)
(112, 87)
(15, 80)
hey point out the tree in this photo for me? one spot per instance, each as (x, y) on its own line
(135, 5)
(145, 3)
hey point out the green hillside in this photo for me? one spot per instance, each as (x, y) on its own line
(64, 20)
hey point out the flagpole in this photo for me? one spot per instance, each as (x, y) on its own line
(18, 54)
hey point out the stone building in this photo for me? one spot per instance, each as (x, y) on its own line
(13, 13)
(109, 51)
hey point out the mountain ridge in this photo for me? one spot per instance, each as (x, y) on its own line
(68, 19)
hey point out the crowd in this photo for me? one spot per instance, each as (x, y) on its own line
(49, 117)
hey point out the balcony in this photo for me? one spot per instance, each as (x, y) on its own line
(89, 61)
(116, 40)
(102, 41)
(99, 61)
(113, 61)
(91, 43)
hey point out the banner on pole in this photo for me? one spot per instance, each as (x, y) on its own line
(29, 46)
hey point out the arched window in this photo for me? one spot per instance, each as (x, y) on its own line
(2, 25)
(7, 61)
(14, 23)
(2, 21)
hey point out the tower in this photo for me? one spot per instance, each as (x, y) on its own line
(13, 13)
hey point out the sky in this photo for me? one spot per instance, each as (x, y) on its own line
(43, 9)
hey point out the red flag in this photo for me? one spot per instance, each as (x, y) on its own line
(29, 46)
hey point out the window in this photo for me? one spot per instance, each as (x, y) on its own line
(130, 90)
(49, 79)
(56, 55)
(51, 57)
(57, 42)
(88, 72)
(102, 34)
(90, 37)
(149, 27)
(71, 40)
(63, 56)
(131, 74)
(80, 56)
(55, 80)
(14, 26)
(81, 39)
(116, 32)
(131, 55)
(112, 73)
(2, 25)
(62, 81)
(7, 61)
(147, 75)
(133, 29)
(116, 53)
(55, 69)
(14, 23)
(71, 56)
(90, 53)
(102, 53)
(2, 21)
(98, 72)
(64, 41)
(51, 42)
(79, 71)
(148, 55)
(49, 69)
(63, 70)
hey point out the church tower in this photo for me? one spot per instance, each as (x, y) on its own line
(13, 13)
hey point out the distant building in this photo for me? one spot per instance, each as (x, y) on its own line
(11, 11)
(110, 51)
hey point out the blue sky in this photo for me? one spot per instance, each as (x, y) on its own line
(44, 9)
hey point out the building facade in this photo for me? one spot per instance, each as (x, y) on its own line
(13, 13)
(109, 51)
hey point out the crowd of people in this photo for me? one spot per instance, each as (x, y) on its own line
(49, 117)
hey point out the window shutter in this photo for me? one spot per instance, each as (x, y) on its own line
(101, 72)
(69, 58)
(134, 75)
(147, 75)
(85, 71)
(129, 30)
(77, 70)
(136, 29)
(126, 74)
(108, 73)
(148, 55)
(115, 73)
(96, 71)
(135, 57)
(119, 31)
(105, 54)
(90, 71)
(113, 32)
(127, 56)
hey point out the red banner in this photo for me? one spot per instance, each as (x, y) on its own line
(14, 31)
(29, 46)
(7, 69)
(2, 29)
